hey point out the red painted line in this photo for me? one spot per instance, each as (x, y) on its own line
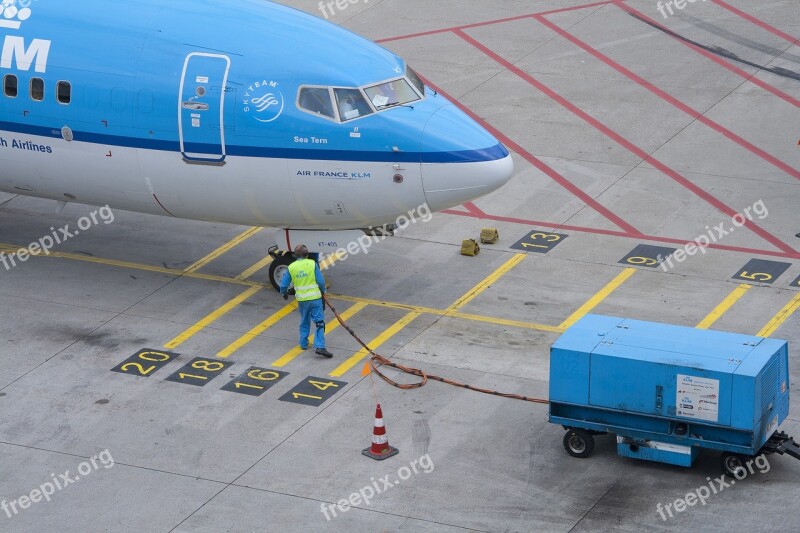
(448, 30)
(672, 100)
(625, 143)
(757, 22)
(492, 22)
(474, 209)
(457, 212)
(716, 59)
(485, 216)
(581, 229)
(574, 8)
(541, 165)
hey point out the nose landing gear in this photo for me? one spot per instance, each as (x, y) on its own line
(279, 266)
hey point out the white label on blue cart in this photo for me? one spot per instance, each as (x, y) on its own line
(773, 425)
(697, 398)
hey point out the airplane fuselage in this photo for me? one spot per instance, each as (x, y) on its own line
(218, 112)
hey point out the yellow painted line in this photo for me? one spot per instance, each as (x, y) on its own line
(444, 312)
(289, 356)
(149, 268)
(409, 317)
(109, 262)
(505, 322)
(256, 331)
(595, 300)
(223, 249)
(486, 283)
(248, 283)
(374, 344)
(247, 274)
(782, 316)
(724, 305)
(211, 318)
(389, 305)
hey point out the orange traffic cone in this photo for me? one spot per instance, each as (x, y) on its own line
(380, 448)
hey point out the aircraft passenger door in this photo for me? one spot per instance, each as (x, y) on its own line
(201, 108)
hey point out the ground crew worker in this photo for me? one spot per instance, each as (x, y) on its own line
(309, 286)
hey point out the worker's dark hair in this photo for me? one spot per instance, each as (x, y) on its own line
(300, 251)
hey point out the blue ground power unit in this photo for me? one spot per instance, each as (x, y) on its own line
(668, 391)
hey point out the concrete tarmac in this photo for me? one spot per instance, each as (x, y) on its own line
(628, 129)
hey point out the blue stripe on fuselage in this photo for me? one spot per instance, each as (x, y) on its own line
(464, 156)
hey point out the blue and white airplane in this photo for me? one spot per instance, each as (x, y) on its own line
(243, 112)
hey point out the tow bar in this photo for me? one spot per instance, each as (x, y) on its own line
(781, 443)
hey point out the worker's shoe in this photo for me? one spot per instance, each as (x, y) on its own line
(324, 353)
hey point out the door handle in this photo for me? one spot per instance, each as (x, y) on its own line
(195, 106)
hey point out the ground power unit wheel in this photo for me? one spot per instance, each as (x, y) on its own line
(579, 443)
(734, 465)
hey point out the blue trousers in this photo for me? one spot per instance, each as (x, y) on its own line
(312, 311)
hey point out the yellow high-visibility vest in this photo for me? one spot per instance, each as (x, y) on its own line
(304, 278)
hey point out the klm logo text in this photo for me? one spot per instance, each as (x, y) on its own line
(16, 55)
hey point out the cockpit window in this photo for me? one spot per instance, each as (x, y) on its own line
(352, 104)
(390, 94)
(416, 80)
(344, 104)
(317, 100)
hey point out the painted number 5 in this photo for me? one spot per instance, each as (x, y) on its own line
(756, 276)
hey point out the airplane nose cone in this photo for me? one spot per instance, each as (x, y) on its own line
(462, 161)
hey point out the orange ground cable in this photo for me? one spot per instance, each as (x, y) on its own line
(378, 361)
